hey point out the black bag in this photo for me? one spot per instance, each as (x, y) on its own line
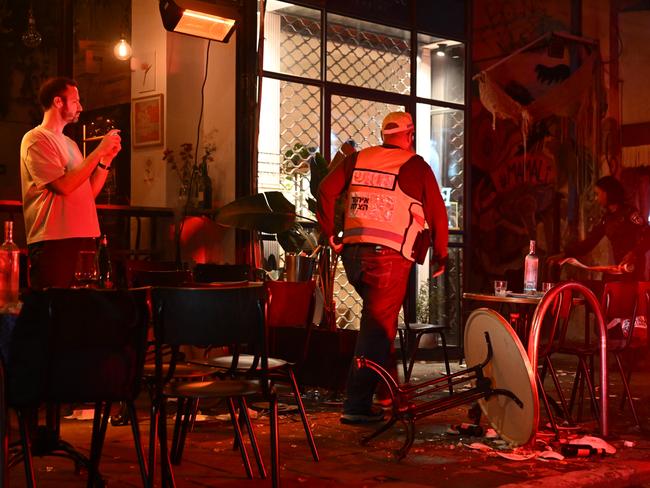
(421, 246)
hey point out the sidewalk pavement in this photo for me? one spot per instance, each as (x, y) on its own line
(436, 459)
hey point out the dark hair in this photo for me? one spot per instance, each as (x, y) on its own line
(613, 189)
(51, 88)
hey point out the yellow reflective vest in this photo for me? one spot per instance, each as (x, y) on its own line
(377, 210)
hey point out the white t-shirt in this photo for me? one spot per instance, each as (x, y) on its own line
(44, 157)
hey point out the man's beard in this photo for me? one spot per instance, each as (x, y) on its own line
(69, 116)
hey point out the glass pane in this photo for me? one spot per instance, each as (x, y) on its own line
(104, 80)
(440, 140)
(357, 120)
(441, 69)
(289, 118)
(292, 40)
(438, 300)
(360, 121)
(369, 55)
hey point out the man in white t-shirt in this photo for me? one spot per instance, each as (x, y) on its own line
(59, 187)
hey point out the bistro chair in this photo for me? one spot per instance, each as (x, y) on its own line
(77, 346)
(554, 329)
(146, 277)
(410, 335)
(219, 316)
(618, 306)
(212, 272)
(289, 305)
(549, 336)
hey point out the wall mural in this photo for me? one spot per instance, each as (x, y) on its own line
(536, 124)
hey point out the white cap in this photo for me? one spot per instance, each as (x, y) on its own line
(396, 122)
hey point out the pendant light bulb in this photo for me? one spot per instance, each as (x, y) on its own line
(122, 49)
(31, 37)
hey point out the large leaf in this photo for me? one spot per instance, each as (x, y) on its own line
(268, 212)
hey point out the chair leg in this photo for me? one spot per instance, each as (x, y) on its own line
(275, 451)
(137, 441)
(100, 422)
(626, 388)
(303, 415)
(547, 406)
(246, 420)
(239, 439)
(178, 421)
(165, 462)
(27, 448)
(443, 339)
(188, 419)
(4, 431)
(558, 388)
(403, 346)
(413, 350)
(591, 390)
(153, 432)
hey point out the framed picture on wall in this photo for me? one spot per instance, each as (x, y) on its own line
(147, 121)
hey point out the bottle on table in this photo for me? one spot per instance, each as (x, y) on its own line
(9, 268)
(104, 264)
(206, 188)
(531, 264)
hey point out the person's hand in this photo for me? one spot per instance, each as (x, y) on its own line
(439, 270)
(627, 264)
(555, 258)
(110, 144)
(336, 246)
(441, 265)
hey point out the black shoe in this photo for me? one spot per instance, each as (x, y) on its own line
(375, 414)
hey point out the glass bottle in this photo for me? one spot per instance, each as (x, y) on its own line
(196, 191)
(206, 185)
(104, 264)
(530, 270)
(9, 267)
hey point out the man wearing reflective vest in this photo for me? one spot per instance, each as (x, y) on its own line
(393, 213)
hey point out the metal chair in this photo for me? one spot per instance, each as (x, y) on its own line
(289, 304)
(77, 346)
(226, 316)
(212, 272)
(147, 277)
(549, 306)
(410, 335)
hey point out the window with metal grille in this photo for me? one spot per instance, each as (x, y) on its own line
(329, 79)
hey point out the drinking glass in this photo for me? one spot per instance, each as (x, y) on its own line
(500, 287)
(546, 286)
(85, 272)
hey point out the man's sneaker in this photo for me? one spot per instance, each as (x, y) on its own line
(375, 414)
(384, 402)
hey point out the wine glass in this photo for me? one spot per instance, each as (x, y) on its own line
(85, 272)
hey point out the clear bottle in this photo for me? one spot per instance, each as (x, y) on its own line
(531, 264)
(9, 267)
(104, 267)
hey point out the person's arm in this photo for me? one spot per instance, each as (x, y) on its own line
(582, 247)
(98, 177)
(642, 243)
(330, 188)
(72, 179)
(418, 181)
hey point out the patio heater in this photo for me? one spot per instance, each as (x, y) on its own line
(215, 20)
